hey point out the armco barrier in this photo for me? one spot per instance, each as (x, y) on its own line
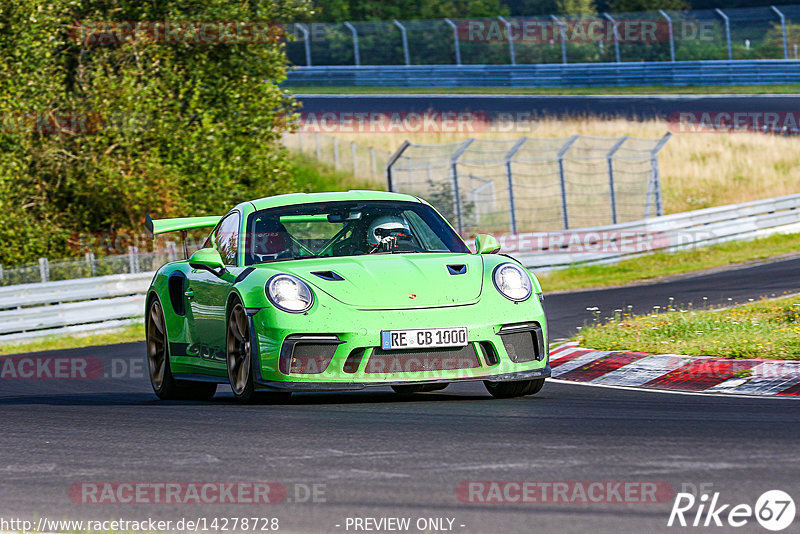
(674, 73)
(104, 302)
(71, 306)
(603, 244)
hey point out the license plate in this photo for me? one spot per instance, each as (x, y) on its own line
(424, 338)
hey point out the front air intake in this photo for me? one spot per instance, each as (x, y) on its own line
(307, 354)
(523, 343)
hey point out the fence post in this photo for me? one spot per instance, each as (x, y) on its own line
(455, 40)
(354, 154)
(671, 34)
(456, 191)
(373, 166)
(172, 253)
(783, 30)
(133, 259)
(44, 269)
(300, 142)
(306, 43)
(1, 275)
(562, 178)
(336, 153)
(319, 150)
(90, 262)
(616, 35)
(656, 173)
(356, 56)
(392, 160)
(727, 31)
(612, 194)
(406, 55)
(563, 38)
(511, 53)
(509, 176)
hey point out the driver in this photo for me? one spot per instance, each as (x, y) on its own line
(385, 230)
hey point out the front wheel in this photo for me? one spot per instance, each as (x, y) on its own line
(239, 355)
(519, 388)
(240, 361)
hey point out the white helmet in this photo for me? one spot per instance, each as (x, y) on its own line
(386, 222)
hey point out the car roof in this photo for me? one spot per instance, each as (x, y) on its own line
(308, 198)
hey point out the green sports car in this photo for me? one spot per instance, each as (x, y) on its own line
(339, 291)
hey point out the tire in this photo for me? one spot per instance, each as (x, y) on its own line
(239, 361)
(158, 367)
(520, 388)
(410, 389)
(164, 384)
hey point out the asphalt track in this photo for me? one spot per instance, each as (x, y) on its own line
(634, 107)
(380, 455)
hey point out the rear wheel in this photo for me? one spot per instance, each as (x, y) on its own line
(519, 388)
(158, 353)
(417, 388)
(164, 384)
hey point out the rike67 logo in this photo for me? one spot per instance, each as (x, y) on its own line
(774, 510)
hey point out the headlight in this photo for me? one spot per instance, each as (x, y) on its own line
(512, 281)
(289, 293)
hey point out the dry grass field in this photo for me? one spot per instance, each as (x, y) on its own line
(698, 170)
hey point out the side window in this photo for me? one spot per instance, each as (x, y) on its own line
(226, 238)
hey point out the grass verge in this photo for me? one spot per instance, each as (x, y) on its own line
(763, 329)
(603, 91)
(313, 176)
(126, 335)
(662, 264)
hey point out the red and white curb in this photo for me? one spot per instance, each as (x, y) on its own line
(704, 374)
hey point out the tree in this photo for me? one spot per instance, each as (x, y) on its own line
(102, 124)
(374, 10)
(577, 7)
(628, 6)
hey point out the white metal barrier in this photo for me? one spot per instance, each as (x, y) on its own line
(71, 306)
(607, 244)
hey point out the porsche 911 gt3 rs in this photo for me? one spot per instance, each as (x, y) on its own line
(340, 291)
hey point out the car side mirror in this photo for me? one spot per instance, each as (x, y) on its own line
(208, 259)
(486, 244)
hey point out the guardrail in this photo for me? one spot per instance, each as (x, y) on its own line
(673, 73)
(105, 302)
(608, 244)
(71, 306)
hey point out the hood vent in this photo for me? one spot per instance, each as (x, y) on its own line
(330, 276)
(457, 269)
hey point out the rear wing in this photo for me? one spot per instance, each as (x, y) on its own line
(182, 224)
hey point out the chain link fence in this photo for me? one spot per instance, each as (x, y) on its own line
(719, 34)
(532, 183)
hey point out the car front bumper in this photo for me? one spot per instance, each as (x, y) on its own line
(341, 351)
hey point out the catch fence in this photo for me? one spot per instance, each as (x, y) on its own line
(527, 184)
(691, 35)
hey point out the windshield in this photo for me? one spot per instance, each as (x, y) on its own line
(335, 229)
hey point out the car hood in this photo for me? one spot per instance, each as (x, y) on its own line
(394, 280)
